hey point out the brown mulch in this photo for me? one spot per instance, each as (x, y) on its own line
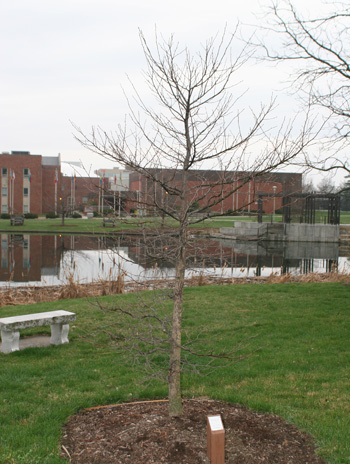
(143, 433)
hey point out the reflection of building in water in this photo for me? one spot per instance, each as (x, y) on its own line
(289, 256)
(21, 257)
(252, 257)
(29, 258)
(202, 253)
(32, 258)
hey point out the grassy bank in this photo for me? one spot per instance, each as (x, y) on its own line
(302, 373)
(94, 225)
(70, 225)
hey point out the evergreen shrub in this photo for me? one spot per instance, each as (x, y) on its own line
(51, 215)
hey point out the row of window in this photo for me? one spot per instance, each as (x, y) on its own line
(4, 172)
(4, 209)
(4, 191)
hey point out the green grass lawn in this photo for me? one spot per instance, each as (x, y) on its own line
(345, 217)
(95, 225)
(70, 225)
(302, 371)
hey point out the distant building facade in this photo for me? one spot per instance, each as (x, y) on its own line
(233, 190)
(35, 184)
(28, 182)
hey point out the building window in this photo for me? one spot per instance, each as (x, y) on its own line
(4, 191)
(85, 200)
(25, 191)
(4, 209)
(25, 209)
(4, 171)
(26, 172)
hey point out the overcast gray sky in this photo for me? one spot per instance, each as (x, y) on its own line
(67, 60)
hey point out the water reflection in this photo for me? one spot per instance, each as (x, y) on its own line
(53, 259)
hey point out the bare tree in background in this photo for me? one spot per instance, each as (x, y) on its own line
(326, 186)
(320, 48)
(308, 186)
(195, 124)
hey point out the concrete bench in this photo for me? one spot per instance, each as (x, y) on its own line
(17, 221)
(108, 222)
(58, 320)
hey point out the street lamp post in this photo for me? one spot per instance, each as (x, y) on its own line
(61, 207)
(274, 188)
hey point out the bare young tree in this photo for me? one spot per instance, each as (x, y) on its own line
(319, 48)
(188, 148)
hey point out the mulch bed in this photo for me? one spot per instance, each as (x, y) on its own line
(143, 433)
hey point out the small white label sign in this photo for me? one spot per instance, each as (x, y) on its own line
(215, 423)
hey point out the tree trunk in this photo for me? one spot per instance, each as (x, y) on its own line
(174, 381)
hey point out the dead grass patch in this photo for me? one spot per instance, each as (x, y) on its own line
(10, 296)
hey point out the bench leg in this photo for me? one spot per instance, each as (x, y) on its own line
(10, 341)
(59, 334)
(65, 332)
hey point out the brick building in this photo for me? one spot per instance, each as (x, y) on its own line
(28, 182)
(35, 184)
(210, 186)
(78, 192)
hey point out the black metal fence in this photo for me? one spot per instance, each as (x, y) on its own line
(306, 208)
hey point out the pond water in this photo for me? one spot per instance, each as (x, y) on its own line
(53, 259)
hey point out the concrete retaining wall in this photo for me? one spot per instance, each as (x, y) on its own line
(241, 231)
(322, 233)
